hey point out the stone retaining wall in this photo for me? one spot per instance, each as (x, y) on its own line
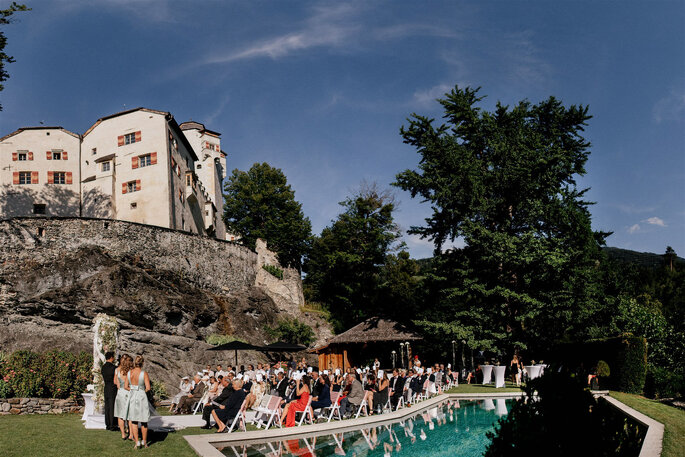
(38, 406)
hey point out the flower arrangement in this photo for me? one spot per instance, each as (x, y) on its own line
(106, 338)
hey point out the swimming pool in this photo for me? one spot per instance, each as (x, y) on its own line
(452, 428)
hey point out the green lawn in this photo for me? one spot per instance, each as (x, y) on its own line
(63, 435)
(483, 389)
(672, 418)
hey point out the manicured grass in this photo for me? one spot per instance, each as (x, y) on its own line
(64, 435)
(672, 418)
(484, 389)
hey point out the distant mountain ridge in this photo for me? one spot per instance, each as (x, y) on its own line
(643, 259)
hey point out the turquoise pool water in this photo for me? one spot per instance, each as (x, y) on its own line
(454, 428)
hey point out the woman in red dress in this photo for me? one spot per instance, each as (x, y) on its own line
(297, 405)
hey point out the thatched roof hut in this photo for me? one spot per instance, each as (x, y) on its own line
(371, 338)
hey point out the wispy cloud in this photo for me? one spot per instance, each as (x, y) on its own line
(327, 27)
(655, 221)
(524, 58)
(211, 117)
(393, 32)
(670, 107)
(633, 209)
(428, 96)
(634, 228)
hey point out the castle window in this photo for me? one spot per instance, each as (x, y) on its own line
(145, 161)
(22, 155)
(134, 205)
(24, 177)
(132, 186)
(39, 208)
(56, 155)
(130, 138)
(59, 177)
(94, 151)
(105, 166)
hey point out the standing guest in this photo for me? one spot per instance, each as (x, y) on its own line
(138, 383)
(299, 405)
(212, 405)
(110, 393)
(514, 366)
(121, 402)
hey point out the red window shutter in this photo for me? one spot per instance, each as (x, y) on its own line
(138, 136)
(123, 188)
(69, 178)
(138, 184)
(51, 177)
(48, 154)
(15, 177)
(15, 156)
(120, 140)
(153, 158)
(34, 177)
(134, 162)
(64, 155)
(30, 155)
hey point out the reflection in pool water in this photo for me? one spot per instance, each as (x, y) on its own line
(454, 428)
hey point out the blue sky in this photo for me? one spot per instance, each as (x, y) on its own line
(320, 89)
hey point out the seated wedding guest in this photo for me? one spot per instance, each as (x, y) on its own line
(184, 389)
(211, 406)
(281, 384)
(257, 391)
(208, 371)
(380, 398)
(371, 388)
(293, 407)
(138, 383)
(187, 401)
(355, 396)
(337, 381)
(315, 387)
(323, 398)
(212, 389)
(229, 409)
(219, 371)
(396, 388)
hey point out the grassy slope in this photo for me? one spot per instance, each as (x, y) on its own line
(672, 418)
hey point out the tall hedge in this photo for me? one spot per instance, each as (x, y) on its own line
(53, 374)
(626, 356)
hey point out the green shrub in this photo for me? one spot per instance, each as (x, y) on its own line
(603, 370)
(564, 419)
(5, 389)
(292, 331)
(626, 355)
(158, 390)
(664, 383)
(54, 374)
(275, 271)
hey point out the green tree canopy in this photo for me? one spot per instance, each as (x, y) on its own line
(5, 19)
(344, 266)
(259, 203)
(504, 183)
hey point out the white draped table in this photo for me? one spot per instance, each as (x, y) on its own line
(487, 373)
(533, 371)
(499, 376)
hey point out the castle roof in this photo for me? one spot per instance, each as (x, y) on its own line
(40, 127)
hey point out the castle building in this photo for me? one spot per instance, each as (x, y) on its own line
(137, 165)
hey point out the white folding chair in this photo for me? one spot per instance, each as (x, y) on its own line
(267, 411)
(334, 408)
(400, 403)
(200, 404)
(363, 405)
(307, 411)
(240, 417)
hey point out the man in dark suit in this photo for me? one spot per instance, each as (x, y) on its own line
(397, 387)
(281, 385)
(110, 393)
(209, 407)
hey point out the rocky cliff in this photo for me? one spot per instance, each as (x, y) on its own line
(169, 290)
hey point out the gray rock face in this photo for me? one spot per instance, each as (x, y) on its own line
(168, 290)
